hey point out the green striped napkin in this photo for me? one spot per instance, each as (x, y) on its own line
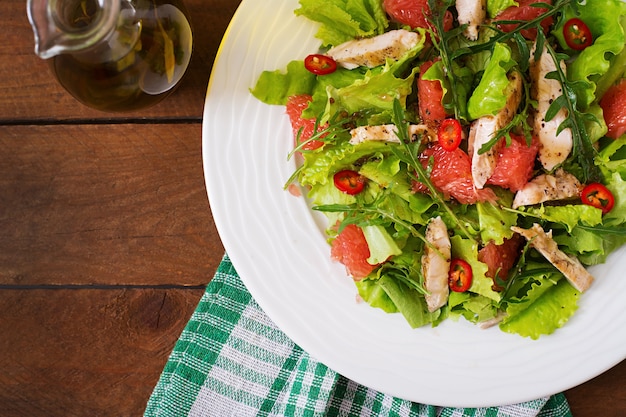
(232, 360)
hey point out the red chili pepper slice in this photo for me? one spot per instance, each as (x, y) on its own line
(320, 64)
(598, 196)
(577, 34)
(349, 182)
(460, 275)
(450, 134)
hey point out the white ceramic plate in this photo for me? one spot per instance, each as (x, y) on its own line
(277, 246)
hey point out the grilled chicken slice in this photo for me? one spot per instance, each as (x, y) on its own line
(436, 264)
(570, 266)
(374, 51)
(389, 133)
(553, 149)
(472, 13)
(482, 131)
(546, 187)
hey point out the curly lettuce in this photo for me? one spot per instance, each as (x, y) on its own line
(546, 306)
(374, 91)
(596, 60)
(495, 7)
(344, 20)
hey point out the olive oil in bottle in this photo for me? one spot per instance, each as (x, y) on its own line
(137, 65)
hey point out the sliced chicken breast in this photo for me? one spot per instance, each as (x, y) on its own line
(569, 266)
(554, 149)
(389, 133)
(482, 131)
(374, 51)
(436, 264)
(546, 187)
(472, 13)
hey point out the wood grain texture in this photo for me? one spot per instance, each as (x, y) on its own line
(114, 206)
(30, 92)
(603, 396)
(78, 206)
(86, 352)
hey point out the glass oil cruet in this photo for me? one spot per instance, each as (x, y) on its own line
(114, 55)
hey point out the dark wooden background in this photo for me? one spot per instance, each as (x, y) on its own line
(107, 239)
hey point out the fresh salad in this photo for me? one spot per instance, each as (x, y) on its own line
(469, 155)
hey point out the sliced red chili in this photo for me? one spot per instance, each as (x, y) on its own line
(460, 275)
(349, 182)
(577, 34)
(598, 196)
(450, 134)
(320, 64)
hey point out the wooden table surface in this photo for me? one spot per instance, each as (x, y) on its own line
(107, 240)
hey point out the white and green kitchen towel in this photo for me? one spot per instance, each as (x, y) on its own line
(232, 360)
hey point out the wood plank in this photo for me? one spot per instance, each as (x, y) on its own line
(121, 204)
(602, 396)
(29, 90)
(76, 353)
(99, 352)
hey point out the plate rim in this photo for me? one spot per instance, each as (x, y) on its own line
(239, 257)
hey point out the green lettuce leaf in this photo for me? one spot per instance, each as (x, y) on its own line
(595, 243)
(319, 167)
(467, 250)
(615, 71)
(617, 216)
(489, 96)
(611, 157)
(275, 87)
(373, 293)
(402, 201)
(344, 20)
(546, 307)
(376, 91)
(494, 7)
(408, 301)
(569, 215)
(595, 60)
(381, 244)
(495, 223)
(338, 79)
(592, 246)
(473, 307)
(327, 193)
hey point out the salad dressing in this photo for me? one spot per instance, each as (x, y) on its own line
(114, 55)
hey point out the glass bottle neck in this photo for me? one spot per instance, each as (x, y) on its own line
(68, 26)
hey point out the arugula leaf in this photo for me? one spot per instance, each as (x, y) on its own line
(442, 41)
(411, 157)
(583, 151)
